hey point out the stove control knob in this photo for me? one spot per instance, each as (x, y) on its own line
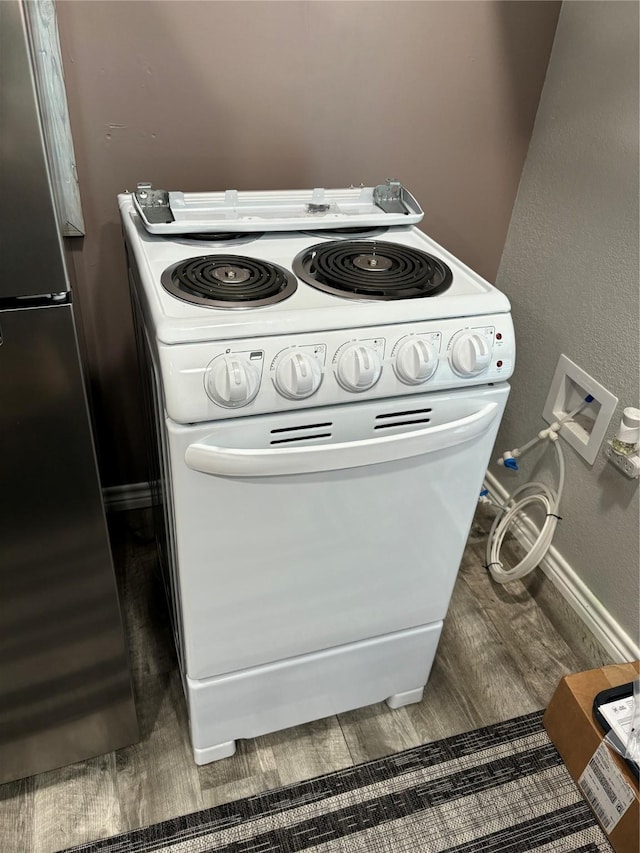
(359, 367)
(470, 353)
(298, 375)
(232, 381)
(416, 361)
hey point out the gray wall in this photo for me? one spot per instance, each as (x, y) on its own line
(264, 95)
(570, 267)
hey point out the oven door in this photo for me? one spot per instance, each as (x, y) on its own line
(304, 531)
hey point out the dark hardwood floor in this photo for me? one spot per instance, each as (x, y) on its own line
(502, 653)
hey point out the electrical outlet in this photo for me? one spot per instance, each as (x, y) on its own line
(629, 465)
(570, 385)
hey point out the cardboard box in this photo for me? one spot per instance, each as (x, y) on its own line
(577, 736)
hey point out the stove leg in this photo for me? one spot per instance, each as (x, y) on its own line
(409, 697)
(214, 753)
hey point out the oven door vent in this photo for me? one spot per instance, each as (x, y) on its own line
(301, 434)
(405, 418)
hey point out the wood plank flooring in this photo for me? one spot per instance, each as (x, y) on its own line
(502, 652)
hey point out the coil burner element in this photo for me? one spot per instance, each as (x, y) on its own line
(372, 269)
(228, 281)
(219, 238)
(347, 233)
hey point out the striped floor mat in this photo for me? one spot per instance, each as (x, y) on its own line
(502, 788)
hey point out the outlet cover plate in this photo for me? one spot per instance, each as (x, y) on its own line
(569, 386)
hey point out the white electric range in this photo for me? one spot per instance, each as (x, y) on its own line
(325, 384)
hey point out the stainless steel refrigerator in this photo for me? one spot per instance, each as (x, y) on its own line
(65, 685)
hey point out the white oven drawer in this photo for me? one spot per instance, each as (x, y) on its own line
(304, 531)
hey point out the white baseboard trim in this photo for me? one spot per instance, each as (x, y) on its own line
(590, 609)
(129, 496)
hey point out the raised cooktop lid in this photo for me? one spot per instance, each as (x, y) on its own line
(173, 213)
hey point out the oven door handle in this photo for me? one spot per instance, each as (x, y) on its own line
(271, 462)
